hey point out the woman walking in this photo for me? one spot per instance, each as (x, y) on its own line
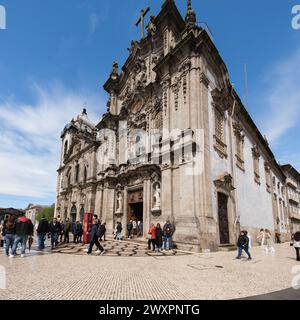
(9, 234)
(269, 241)
(261, 237)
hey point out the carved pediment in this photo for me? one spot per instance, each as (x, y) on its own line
(222, 100)
(224, 183)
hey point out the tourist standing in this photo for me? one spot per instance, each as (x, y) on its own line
(243, 244)
(134, 228)
(129, 229)
(152, 237)
(77, 231)
(159, 237)
(9, 233)
(296, 243)
(269, 241)
(54, 230)
(94, 237)
(168, 233)
(118, 231)
(42, 229)
(139, 228)
(261, 237)
(23, 229)
(67, 229)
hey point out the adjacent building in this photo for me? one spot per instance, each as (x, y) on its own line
(293, 196)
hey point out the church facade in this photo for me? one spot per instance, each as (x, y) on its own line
(176, 143)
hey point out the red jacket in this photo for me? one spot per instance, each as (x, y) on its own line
(152, 231)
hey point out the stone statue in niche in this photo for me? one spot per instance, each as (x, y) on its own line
(119, 202)
(157, 197)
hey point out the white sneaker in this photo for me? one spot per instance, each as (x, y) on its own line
(22, 255)
(11, 256)
(98, 252)
(102, 253)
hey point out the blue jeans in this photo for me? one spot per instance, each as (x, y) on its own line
(9, 241)
(54, 239)
(240, 251)
(23, 241)
(169, 240)
(41, 240)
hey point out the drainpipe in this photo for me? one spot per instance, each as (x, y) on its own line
(232, 163)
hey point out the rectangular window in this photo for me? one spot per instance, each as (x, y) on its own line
(219, 137)
(256, 156)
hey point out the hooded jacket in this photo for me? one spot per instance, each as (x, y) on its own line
(23, 227)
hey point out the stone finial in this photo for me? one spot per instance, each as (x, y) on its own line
(190, 17)
(115, 70)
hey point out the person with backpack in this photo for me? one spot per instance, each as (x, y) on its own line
(243, 244)
(54, 230)
(23, 228)
(42, 229)
(8, 232)
(94, 237)
(168, 233)
(296, 244)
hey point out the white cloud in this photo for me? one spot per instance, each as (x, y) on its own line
(93, 23)
(30, 139)
(283, 98)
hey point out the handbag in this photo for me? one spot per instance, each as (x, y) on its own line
(149, 237)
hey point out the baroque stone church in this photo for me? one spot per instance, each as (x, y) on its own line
(175, 143)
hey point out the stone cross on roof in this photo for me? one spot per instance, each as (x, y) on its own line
(142, 21)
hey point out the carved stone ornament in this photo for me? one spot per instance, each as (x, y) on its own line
(224, 184)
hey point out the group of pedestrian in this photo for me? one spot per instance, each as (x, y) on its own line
(134, 228)
(58, 232)
(158, 236)
(266, 241)
(15, 231)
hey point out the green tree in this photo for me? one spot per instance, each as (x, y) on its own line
(48, 213)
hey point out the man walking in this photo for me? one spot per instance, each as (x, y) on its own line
(94, 237)
(23, 228)
(54, 229)
(243, 244)
(168, 233)
(296, 244)
(67, 229)
(42, 229)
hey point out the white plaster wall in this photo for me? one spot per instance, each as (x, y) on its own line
(254, 202)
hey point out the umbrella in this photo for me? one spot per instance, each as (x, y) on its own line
(30, 241)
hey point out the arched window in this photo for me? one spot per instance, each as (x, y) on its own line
(73, 214)
(85, 175)
(77, 168)
(69, 179)
(66, 147)
(81, 214)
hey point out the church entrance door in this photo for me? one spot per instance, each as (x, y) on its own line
(223, 218)
(135, 206)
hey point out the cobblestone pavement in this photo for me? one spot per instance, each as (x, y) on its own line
(71, 274)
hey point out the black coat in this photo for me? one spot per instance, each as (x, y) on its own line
(43, 226)
(243, 241)
(297, 236)
(55, 228)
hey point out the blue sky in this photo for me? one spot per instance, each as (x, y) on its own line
(56, 55)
